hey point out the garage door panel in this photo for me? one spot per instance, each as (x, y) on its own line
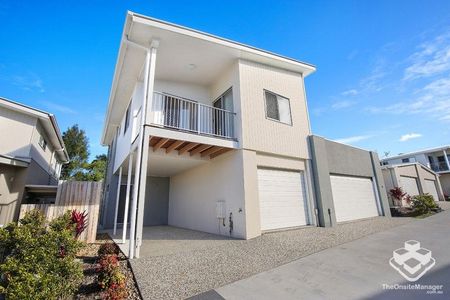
(282, 199)
(409, 185)
(430, 188)
(353, 198)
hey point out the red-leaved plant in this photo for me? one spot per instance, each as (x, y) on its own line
(408, 199)
(398, 194)
(80, 221)
(110, 278)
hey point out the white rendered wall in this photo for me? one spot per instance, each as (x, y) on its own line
(190, 91)
(124, 140)
(260, 133)
(16, 131)
(194, 194)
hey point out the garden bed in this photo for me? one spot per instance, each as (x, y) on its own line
(89, 289)
(411, 213)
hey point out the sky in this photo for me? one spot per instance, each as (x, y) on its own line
(383, 67)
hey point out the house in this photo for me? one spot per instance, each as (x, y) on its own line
(436, 159)
(414, 179)
(212, 135)
(31, 153)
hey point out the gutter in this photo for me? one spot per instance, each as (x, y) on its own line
(117, 72)
(61, 141)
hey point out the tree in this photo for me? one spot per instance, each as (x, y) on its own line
(77, 146)
(96, 170)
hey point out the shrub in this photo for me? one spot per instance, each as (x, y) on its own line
(408, 199)
(110, 278)
(80, 221)
(117, 291)
(108, 249)
(397, 194)
(38, 260)
(423, 204)
(107, 265)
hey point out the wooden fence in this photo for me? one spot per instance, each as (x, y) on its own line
(79, 195)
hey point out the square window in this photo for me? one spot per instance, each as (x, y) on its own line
(278, 108)
(127, 119)
(42, 142)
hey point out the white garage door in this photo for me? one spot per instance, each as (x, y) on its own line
(430, 188)
(282, 199)
(409, 185)
(353, 198)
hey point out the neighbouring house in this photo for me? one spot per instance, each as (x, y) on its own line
(31, 155)
(212, 135)
(414, 179)
(436, 159)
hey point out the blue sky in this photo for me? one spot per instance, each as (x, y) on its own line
(383, 71)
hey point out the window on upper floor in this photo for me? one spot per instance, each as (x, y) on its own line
(406, 160)
(278, 108)
(127, 118)
(42, 143)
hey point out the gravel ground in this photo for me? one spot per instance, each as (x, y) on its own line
(218, 262)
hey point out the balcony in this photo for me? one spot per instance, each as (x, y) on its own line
(190, 116)
(439, 167)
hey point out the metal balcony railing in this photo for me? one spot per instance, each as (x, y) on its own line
(188, 115)
(439, 166)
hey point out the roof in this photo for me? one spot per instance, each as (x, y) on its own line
(178, 44)
(429, 150)
(409, 164)
(13, 161)
(49, 123)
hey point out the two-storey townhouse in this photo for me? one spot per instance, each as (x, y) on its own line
(31, 153)
(209, 134)
(436, 159)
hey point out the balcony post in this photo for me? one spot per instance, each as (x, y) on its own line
(116, 211)
(138, 200)
(127, 198)
(142, 177)
(150, 78)
(198, 118)
(446, 160)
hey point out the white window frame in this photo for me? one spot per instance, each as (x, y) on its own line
(277, 97)
(42, 142)
(127, 118)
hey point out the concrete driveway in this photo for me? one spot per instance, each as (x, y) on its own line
(355, 270)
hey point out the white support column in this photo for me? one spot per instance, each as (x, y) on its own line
(119, 182)
(140, 176)
(446, 159)
(127, 199)
(148, 85)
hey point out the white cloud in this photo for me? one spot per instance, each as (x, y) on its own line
(342, 104)
(373, 82)
(352, 92)
(409, 136)
(353, 139)
(30, 82)
(54, 107)
(352, 54)
(432, 100)
(433, 58)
